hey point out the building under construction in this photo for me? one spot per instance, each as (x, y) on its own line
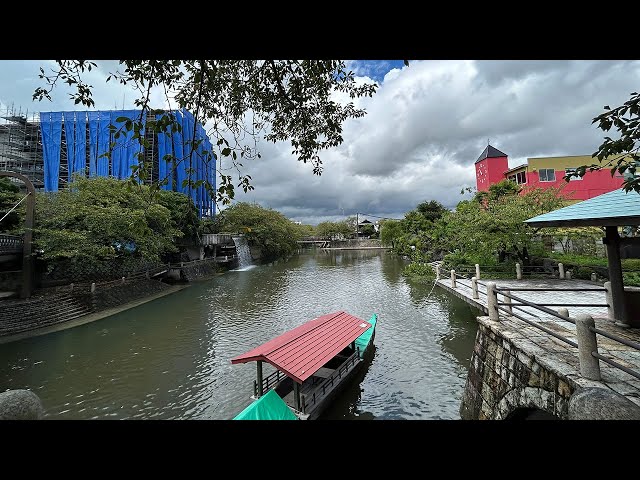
(50, 147)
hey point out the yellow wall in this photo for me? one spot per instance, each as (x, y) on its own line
(560, 163)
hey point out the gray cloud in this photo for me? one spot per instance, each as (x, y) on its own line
(424, 129)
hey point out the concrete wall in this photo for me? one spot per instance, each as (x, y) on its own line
(503, 379)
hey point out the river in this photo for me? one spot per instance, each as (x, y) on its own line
(170, 358)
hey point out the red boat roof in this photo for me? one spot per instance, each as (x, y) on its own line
(300, 352)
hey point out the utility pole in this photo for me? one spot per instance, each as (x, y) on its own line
(357, 222)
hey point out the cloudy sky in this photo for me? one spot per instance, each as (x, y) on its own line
(425, 127)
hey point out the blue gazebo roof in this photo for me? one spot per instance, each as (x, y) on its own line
(615, 208)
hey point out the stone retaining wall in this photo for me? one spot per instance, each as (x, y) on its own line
(44, 310)
(200, 271)
(356, 243)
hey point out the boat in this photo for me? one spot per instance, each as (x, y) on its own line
(313, 363)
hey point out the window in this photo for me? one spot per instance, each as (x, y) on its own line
(570, 171)
(547, 175)
(518, 178)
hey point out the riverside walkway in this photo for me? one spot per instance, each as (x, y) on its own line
(536, 335)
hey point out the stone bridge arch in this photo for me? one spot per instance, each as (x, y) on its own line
(530, 402)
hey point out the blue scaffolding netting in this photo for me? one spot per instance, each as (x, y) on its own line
(114, 152)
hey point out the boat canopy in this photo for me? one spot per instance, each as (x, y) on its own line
(268, 407)
(301, 352)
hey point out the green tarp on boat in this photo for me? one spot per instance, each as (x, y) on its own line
(363, 340)
(268, 407)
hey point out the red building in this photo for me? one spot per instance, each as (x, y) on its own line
(544, 172)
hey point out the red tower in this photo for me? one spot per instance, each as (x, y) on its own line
(490, 168)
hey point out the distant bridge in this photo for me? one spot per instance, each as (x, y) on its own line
(317, 241)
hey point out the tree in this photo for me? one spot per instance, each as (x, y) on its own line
(390, 232)
(431, 210)
(622, 154)
(367, 230)
(497, 227)
(264, 228)
(99, 228)
(9, 196)
(496, 191)
(329, 230)
(243, 100)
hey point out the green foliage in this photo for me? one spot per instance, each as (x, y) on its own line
(101, 227)
(367, 230)
(581, 241)
(458, 258)
(431, 211)
(583, 273)
(497, 190)
(631, 279)
(305, 230)
(390, 232)
(419, 272)
(497, 228)
(416, 229)
(330, 230)
(184, 215)
(294, 101)
(264, 228)
(621, 154)
(9, 196)
(575, 259)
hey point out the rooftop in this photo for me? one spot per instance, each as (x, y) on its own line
(490, 152)
(615, 208)
(301, 352)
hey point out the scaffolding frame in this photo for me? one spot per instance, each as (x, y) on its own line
(21, 148)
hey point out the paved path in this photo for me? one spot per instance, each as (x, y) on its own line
(562, 355)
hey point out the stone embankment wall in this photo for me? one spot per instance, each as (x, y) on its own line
(200, 271)
(357, 243)
(52, 308)
(503, 378)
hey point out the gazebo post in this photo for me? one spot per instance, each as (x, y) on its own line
(259, 374)
(296, 394)
(612, 241)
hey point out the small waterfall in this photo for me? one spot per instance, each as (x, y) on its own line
(244, 254)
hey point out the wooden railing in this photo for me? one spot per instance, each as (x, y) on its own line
(336, 376)
(269, 380)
